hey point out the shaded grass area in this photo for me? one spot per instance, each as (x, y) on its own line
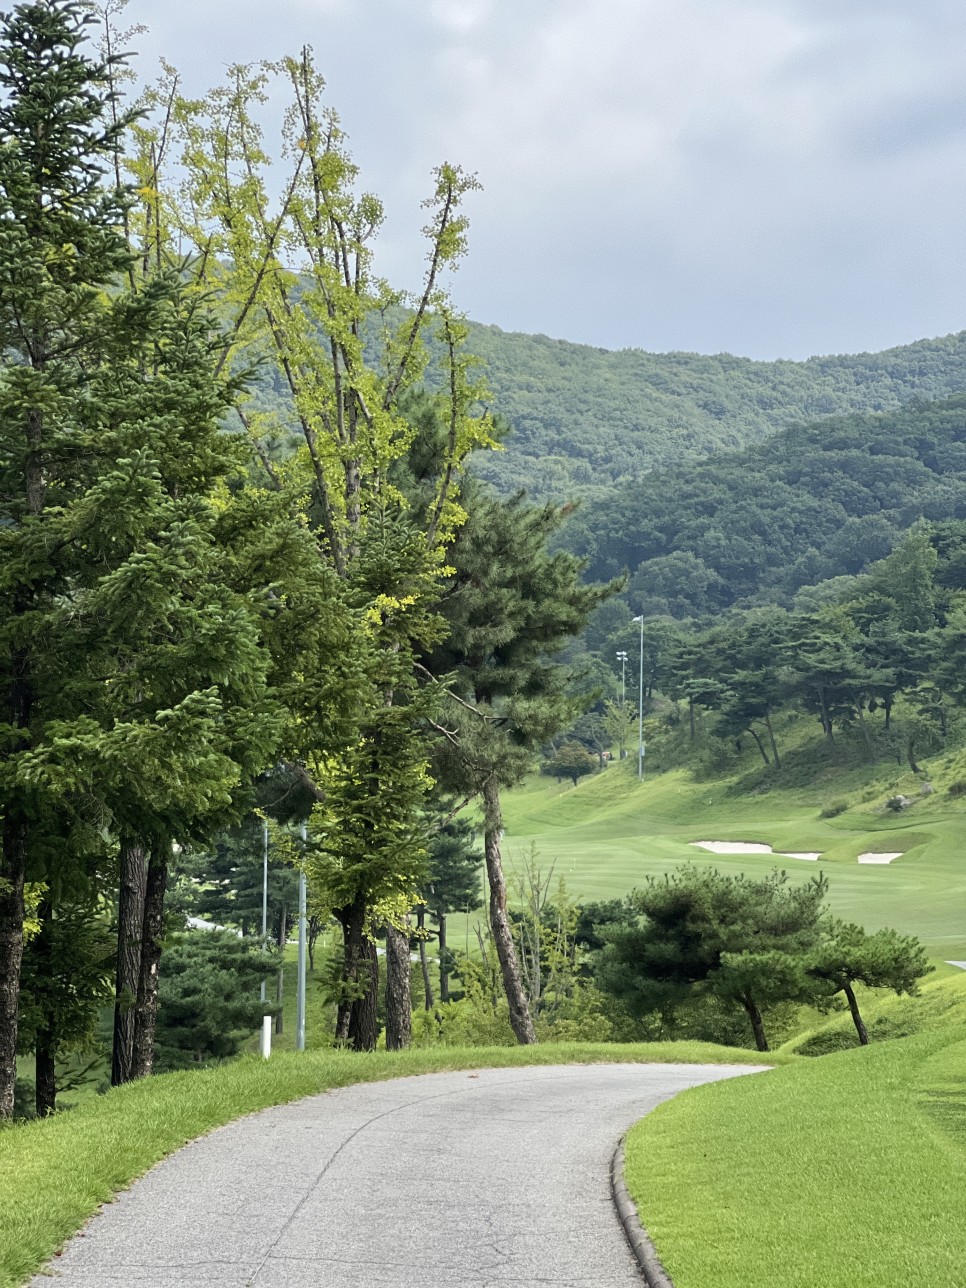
(55, 1173)
(847, 1171)
(940, 1003)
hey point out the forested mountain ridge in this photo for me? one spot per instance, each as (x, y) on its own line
(585, 419)
(812, 503)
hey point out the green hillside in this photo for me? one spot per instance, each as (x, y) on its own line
(609, 833)
(812, 503)
(585, 419)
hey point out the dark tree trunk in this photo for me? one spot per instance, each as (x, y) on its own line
(45, 1046)
(356, 1020)
(428, 1002)
(363, 1024)
(757, 1027)
(520, 1019)
(13, 872)
(11, 951)
(771, 738)
(443, 963)
(312, 938)
(857, 1020)
(399, 1002)
(887, 703)
(826, 718)
(45, 1070)
(691, 717)
(912, 756)
(758, 743)
(342, 1017)
(152, 942)
(130, 927)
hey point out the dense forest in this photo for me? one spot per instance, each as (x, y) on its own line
(876, 658)
(758, 525)
(585, 419)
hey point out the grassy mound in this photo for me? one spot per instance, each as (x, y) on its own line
(941, 1003)
(848, 1171)
(54, 1173)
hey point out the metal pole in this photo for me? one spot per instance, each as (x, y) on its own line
(640, 709)
(300, 993)
(622, 658)
(264, 894)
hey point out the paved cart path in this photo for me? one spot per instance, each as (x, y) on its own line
(447, 1180)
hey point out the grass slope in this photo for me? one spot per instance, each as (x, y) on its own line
(610, 832)
(847, 1171)
(54, 1173)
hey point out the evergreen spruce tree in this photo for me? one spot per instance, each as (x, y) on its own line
(133, 667)
(59, 246)
(452, 884)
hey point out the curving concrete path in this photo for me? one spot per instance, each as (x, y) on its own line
(446, 1180)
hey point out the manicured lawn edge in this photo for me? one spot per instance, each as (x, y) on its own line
(55, 1173)
(847, 1170)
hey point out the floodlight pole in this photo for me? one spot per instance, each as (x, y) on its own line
(264, 893)
(640, 708)
(622, 658)
(300, 990)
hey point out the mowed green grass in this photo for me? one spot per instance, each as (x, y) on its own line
(846, 1171)
(609, 833)
(54, 1173)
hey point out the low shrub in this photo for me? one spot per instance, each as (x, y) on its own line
(834, 808)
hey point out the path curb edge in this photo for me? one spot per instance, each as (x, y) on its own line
(643, 1249)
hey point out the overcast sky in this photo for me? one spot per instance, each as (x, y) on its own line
(773, 178)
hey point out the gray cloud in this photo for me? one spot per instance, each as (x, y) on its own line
(763, 176)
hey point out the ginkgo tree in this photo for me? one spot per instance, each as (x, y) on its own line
(290, 263)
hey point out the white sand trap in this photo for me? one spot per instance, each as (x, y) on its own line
(750, 847)
(880, 858)
(733, 847)
(961, 965)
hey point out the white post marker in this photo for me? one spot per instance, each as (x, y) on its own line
(265, 1045)
(300, 991)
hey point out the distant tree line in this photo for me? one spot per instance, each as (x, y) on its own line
(766, 524)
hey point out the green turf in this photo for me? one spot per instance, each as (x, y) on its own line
(940, 1003)
(847, 1171)
(610, 832)
(54, 1173)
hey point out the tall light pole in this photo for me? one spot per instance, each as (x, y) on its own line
(640, 709)
(622, 658)
(300, 989)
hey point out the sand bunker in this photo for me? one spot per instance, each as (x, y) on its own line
(880, 858)
(751, 847)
